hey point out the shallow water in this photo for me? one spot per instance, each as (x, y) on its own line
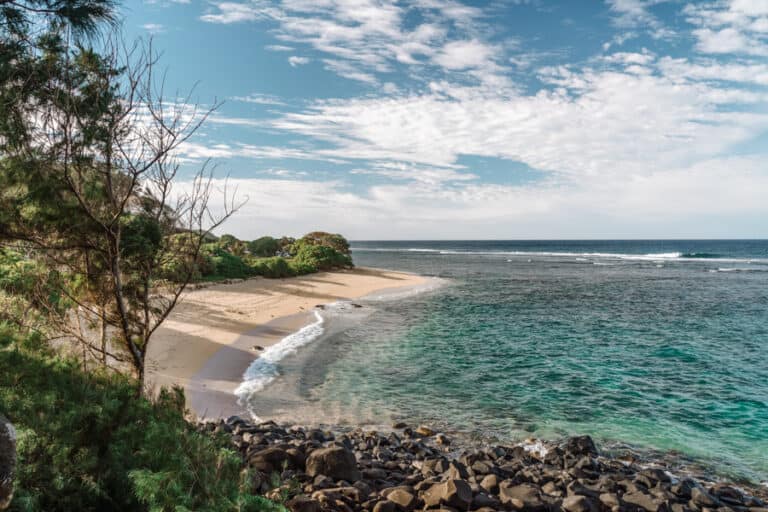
(663, 345)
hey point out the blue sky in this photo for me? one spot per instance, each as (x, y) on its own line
(435, 119)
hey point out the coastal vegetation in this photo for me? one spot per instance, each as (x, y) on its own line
(230, 258)
(101, 232)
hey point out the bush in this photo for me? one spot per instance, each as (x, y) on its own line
(227, 266)
(319, 257)
(332, 240)
(87, 442)
(264, 247)
(272, 267)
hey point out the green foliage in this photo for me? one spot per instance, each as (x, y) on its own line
(319, 257)
(272, 267)
(87, 442)
(317, 251)
(332, 240)
(30, 280)
(141, 237)
(226, 265)
(264, 247)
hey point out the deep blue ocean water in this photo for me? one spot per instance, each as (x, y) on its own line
(659, 344)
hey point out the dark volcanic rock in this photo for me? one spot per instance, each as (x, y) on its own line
(454, 493)
(269, 460)
(403, 499)
(580, 445)
(335, 461)
(644, 501)
(7, 461)
(521, 496)
(577, 503)
(368, 471)
(703, 499)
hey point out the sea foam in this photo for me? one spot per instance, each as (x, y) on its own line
(264, 369)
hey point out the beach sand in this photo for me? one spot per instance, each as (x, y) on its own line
(208, 341)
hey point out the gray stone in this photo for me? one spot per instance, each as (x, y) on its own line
(580, 445)
(490, 483)
(385, 506)
(644, 501)
(403, 499)
(335, 461)
(453, 493)
(577, 503)
(424, 431)
(303, 504)
(7, 461)
(703, 499)
(269, 460)
(519, 496)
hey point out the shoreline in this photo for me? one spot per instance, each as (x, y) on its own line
(208, 342)
(410, 467)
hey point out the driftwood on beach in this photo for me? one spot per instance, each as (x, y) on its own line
(313, 470)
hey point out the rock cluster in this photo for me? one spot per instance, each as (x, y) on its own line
(313, 470)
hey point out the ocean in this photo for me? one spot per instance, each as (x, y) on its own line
(657, 346)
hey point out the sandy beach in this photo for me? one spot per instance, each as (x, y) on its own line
(208, 341)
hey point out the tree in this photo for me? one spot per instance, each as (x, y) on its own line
(332, 240)
(87, 185)
(264, 247)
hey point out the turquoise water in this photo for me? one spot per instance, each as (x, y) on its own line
(662, 345)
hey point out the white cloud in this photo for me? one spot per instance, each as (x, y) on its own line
(295, 60)
(233, 12)
(595, 122)
(259, 99)
(662, 203)
(362, 38)
(467, 54)
(279, 48)
(153, 28)
(202, 151)
(730, 26)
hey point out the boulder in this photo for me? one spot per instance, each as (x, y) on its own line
(703, 499)
(7, 461)
(580, 445)
(303, 504)
(424, 431)
(269, 460)
(578, 503)
(385, 506)
(644, 501)
(335, 461)
(521, 496)
(403, 499)
(457, 471)
(453, 493)
(490, 483)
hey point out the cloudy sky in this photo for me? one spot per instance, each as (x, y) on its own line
(436, 119)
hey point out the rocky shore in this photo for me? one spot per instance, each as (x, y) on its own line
(312, 470)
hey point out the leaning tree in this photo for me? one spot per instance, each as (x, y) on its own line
(90, 179)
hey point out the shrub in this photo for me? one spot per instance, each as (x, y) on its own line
(227, 265)
(319, 257)
(332, 240)
(264, 247)
(272, 267)
(87, 442)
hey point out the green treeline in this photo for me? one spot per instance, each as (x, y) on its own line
(230, 258)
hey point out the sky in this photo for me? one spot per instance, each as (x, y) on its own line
(441, 119)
